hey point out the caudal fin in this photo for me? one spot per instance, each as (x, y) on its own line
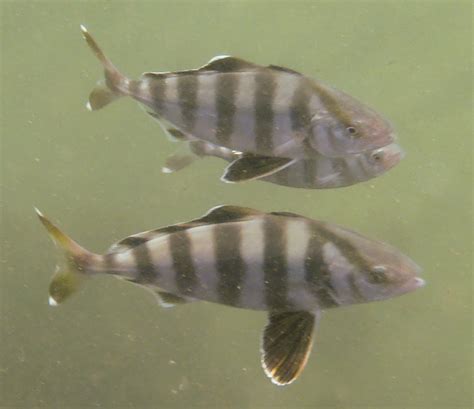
(74, 265)
(115, 85)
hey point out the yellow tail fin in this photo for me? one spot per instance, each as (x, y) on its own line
(115, 85)
(73, 267)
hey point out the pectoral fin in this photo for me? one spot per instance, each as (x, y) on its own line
(250, 167)
(286, 344)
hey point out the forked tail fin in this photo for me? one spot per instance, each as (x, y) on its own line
(74, 265)
(115, 85)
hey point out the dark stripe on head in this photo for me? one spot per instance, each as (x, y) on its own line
(187, 99)
(300, 114)
(317, 273)
(331, 103)
(226, 91)
(230, 265)
(347, 249)
(185, 274)
(354, 288)
(275, 264)
(265, 88)
(146, 270)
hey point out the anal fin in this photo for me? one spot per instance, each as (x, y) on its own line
(168, 300)
(286, 344)
(250, 167)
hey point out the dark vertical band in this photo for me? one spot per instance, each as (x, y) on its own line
(226, 91)
(300, 114)
(185, 273)
(317, 273)
(146, 270)
(187, 99)
(265, 88)
(229, 263)
(275, 264)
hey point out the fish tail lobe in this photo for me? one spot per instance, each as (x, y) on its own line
(115, 84)
(74, 265)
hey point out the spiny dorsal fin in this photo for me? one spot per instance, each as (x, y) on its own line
(286, 344)
(226, 63)
(227, 213)
(284, 69)
(250, 167)
(218, 214)
(221, 63)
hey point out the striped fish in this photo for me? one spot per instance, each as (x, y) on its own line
(288, 265)
(272, 112)
(318, 173)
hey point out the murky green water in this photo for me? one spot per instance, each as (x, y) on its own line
(98, 175)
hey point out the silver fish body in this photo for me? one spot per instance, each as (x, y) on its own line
(320, 172)
(291, 266)
(264, 110)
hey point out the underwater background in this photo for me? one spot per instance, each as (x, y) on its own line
(98, 175)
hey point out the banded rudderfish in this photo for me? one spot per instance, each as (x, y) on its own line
(291, 266)
(320, 172)
(274, 113)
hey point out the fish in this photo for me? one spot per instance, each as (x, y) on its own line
(318, 173)
(288, 265)
(268, 111)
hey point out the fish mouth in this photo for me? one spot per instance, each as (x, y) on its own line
(412, 285)
(419, 282)
(394, 155)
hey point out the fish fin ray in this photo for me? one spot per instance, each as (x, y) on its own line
(250, 167)
(286, 344)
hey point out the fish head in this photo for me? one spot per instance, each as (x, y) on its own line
(386, 273)
(346, 126)
(380, 160)
(376, 270)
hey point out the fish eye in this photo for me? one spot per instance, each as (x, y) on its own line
(351, 131)
(377, 275)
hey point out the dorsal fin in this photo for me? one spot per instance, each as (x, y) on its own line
(286, 214)
(226, 213)
(218, 214)
(226, 63)
(284, 69)
(221, 63)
